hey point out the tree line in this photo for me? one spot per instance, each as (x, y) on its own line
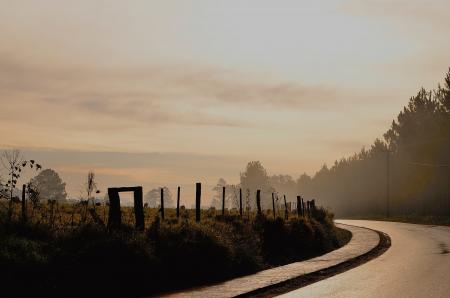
(406, 172)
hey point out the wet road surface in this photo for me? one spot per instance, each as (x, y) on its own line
(416, 265)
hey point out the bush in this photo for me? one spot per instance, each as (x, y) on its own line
(90, 260)
(301, 235)
(21, 252)
(192, 251)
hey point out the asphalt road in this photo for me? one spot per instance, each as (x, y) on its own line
(416, 265)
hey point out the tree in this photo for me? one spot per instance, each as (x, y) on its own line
(153, 198)
(50, 185)
(232, 195)
(218, 189)
(33, 197)
(253, 178)
(13, 162)
(284, 185)
(91, 187)
(3, 189)
(406, 173)
(443, 94)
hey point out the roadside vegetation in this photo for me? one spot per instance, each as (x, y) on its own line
(48, 255)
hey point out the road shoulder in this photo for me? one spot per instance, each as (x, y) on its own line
(364, 245)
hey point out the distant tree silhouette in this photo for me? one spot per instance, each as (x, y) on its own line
(153, 198)
(216, 201)
(231, 194)
(49, 185)
(253, 178)
(91, 188)
(284, 185)
(412, 161)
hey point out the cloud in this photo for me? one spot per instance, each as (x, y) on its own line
(193, 83)
(83, 96)
(279, 95)
(410, 17)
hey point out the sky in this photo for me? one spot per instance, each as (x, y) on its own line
(171, 92)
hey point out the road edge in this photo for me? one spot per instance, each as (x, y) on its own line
(313, 277)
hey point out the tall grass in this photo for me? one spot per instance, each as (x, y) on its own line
(50, 258)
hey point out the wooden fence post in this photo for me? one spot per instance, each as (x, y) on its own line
(162, 203)
(115, 216)
(286, 215)
(198, 195)
(24, 206)
(258, 201)
(178, 202)
(240, 201)
(273, 205)
(138, 209)
(308, 209)
(277, 206)
(223, 200)
(303, 208)
(299, 206)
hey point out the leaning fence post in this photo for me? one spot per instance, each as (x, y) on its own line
(178, 202)
(285, 208)
(162, 203)
(298, 206)
(240, 201)
(223, 200)
(24, 206)
(258, 201)
(273, 205)
(198, 195)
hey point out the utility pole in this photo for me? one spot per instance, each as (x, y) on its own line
(387, 183)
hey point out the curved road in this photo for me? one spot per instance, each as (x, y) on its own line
(416, 265)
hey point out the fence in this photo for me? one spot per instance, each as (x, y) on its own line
(53, 210)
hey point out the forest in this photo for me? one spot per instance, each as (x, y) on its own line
(407, 172)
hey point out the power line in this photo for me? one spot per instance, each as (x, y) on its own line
(443, 165)
(424, 164)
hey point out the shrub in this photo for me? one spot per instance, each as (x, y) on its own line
(192, 252)
(90, 260)
(301, 238)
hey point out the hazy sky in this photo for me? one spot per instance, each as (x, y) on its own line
(184, 91)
